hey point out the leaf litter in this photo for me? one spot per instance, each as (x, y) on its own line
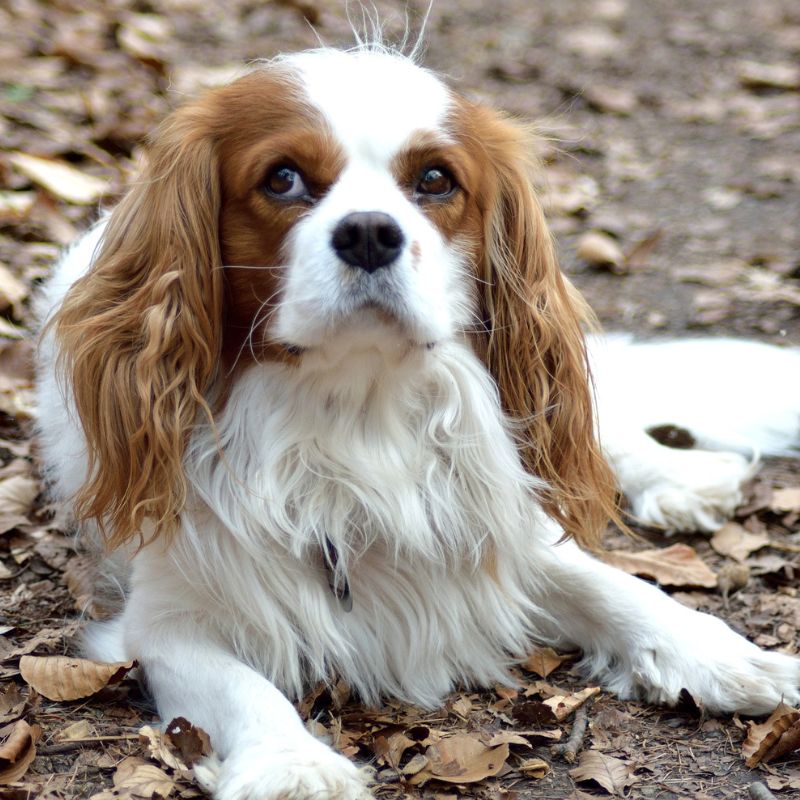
(81, 89)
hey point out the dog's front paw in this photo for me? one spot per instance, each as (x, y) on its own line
(274, 771)
(721, 670)
(692, 490)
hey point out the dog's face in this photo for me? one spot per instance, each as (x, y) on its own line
(325, 203)
(350, 206)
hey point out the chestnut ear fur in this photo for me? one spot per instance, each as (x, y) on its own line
(535, 346)
(140, 333)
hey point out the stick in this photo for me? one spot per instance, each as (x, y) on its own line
(570, 749)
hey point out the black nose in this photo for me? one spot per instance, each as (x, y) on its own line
(368, 240)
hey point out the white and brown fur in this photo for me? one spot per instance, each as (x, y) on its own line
(290, 436)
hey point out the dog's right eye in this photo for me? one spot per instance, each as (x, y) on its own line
(286, 183)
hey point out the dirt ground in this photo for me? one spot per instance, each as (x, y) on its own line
(672, 128)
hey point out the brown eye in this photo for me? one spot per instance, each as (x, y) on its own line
(286, 183)
(436, 182)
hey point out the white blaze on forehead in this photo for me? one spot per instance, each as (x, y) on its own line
(373, 101)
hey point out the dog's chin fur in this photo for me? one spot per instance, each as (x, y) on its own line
(379, 495)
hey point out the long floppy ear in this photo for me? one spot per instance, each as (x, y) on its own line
(139, 334)
(534, 346)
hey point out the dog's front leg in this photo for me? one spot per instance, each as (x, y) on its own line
(641, 643)
(265, 751)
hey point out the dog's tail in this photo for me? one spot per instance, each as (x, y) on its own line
(728, 394)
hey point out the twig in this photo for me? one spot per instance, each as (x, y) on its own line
(785, 547)
(78, 744)
(760, 792)
(570, 749)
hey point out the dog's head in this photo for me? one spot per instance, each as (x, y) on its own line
(325, 202)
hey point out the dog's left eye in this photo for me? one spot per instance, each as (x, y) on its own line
(436, 182)
(286, 183)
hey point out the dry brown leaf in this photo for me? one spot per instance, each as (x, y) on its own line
(784, 500)
(12, 704)
(191, 743)
(755, 75)
(461, 759)
(391, 746)
(507, 737)
(733, 540)
(677, 565)
(534, 768)
(462, 706)
(600, 250)
(60, 178)
(78, 730)
(16, 205)
(613, 774)
(17, 494)
(46, 637)
(12, 291)
(777, 783)
(140, 778)
(610, 99)
(16, 378)
(62, 678)
(146, 36)
(564, 705)
(542, 661)
(159, 748)
(762, 738)
(18, 749)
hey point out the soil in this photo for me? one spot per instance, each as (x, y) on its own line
(674, 128)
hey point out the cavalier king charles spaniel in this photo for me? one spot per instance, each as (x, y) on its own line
(319, 379)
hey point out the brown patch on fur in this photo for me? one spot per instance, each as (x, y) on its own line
(142, 335)
(453, 215)
(534, 318)
(272, 129)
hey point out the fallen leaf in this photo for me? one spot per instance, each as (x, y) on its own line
(677, 565)
(613, 774)
(790, 780)
(46, 637)
(12, 291)
(191, 743)
(16, 205)
(18, 749)
(784, 500)
(461, 759)
(534, 768)
(62, 678)
(392, 747)
(462, 706)
(507, 737)
(17, 494)
(754, 75)
(600, 250)
(12, 704)
(139, 778)
(542, 661)
(146, 36)
(734, 541)
(60, 178)
(610, 99)
(78, 730)
(564, 705)
(762, 743)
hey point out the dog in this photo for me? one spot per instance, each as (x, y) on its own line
(319, 378)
